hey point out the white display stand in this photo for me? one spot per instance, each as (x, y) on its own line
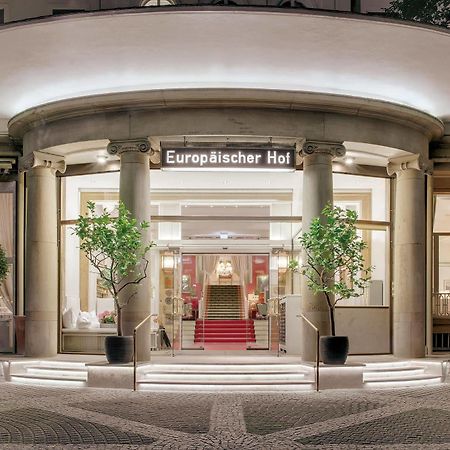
(290, 325)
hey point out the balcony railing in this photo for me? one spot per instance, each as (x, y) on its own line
(441, 305)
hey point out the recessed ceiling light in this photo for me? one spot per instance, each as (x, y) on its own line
(101, 159)
(349, 161)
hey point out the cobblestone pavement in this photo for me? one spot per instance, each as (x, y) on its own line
(44, 417)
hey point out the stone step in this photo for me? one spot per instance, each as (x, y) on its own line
(248, 387)
(37, 379)
(402, 381)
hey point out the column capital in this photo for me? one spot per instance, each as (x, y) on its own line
(334, 149)
(141, 145)
(402, 163)
(42, 159)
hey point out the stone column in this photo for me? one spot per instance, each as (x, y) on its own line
(135, 194)
(409, 257)
(41, 263)
(317, 192)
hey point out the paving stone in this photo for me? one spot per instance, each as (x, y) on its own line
(34, 417)
(419, 426)
(278, 414)
(35, 426)
(181, 412)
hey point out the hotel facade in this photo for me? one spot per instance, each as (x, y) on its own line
(229, 128)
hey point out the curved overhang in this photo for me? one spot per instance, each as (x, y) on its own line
(162, 51)
(225, 98)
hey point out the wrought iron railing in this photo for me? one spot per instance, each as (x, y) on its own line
(441, 305)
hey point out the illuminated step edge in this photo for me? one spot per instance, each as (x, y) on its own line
(388, 365)
(233, 378)
(393, 373)
(54, 380)
(403, 382)
(227, 368)
(53, 365)
(266, 387)
(50, 371)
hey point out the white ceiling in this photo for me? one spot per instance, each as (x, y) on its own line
(44, 61)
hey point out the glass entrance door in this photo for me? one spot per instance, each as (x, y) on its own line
(225, 301)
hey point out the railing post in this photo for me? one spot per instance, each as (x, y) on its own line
(317, 374)
(135, 349)
(317, 361)
(134, 360)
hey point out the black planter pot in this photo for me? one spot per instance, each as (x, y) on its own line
(334, 349)
(119, 349)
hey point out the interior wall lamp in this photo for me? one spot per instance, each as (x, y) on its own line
(167, 262)
(283, 262)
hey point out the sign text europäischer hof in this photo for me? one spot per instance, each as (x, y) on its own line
(227, 158)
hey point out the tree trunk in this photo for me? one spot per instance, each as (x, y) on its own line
(333, 327)
(119, 319)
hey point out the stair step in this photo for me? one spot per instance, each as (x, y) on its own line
(294, 386)
(220, 378)
(225, 383)
(29, 376)
(51, 371)
(396, 373)
(405, 379)
(225, 322)
(224, 340)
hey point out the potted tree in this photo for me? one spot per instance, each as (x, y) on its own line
(334, 266)
(114, 247)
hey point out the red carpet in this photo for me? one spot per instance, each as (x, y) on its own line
(224, 331)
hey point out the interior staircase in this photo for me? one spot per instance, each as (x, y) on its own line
(223, 302)
(224, 331)
(224, 322)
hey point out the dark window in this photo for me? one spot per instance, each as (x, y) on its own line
(2, 16)
(59, 12)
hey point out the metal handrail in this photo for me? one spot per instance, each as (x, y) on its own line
(445, 365)
(317, 348)
(277, 314)
(135, 348)
(173, 323)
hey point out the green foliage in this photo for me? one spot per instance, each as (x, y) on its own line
(4, 268)
(334, 262)
(436, 12)
(114, 247)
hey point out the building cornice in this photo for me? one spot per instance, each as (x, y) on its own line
(162, 99)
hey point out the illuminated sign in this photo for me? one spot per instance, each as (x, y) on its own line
(227, 159)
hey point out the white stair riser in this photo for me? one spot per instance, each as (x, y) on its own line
(393, 374)
(231, 388)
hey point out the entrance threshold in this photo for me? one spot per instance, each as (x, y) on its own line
(231, 372)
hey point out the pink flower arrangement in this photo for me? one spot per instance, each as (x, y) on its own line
(107, 317)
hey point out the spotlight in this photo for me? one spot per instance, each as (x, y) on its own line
(349, 161)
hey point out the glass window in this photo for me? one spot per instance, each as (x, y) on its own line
(7, 288)
(368, 196)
